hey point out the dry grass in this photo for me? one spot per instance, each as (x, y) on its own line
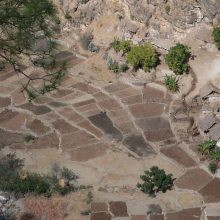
(57, 207)
(48, 209)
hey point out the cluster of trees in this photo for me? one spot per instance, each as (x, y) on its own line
(145, 56)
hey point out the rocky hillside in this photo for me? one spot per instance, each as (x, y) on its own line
(179, 14)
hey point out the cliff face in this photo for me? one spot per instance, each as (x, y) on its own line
(140, 19)
(182, 14)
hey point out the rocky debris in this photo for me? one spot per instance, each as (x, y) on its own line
(9, 206)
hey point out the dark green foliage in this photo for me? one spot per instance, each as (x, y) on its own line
(143, 56)
(121, 45)
(115, 67)
(89, 198)
(213, 167)
(68, 16)
(68, 174)
(32, 183)
(172, 82)
(27, 28)
(177, 59)
(216, 36)
(207, 147)
(29, 138)
(83, 1)
(123, 67)
(168, 8)
(155, 180)
(12, 180)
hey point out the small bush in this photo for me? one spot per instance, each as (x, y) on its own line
(93, 48)
(68, 16)
(29, 138)
(113, 65)
(207, 147)
(86, 39)
(143, 56)
(154, 181)
(213, 167)
(89, 198)
(83, 1)
(167, 8)
(124, 45)
(216, 36)
(123, 68)
(177, 59)
(172, 82)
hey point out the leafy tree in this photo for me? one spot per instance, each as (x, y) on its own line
(27, 29)
(143, 56)
(216, 36)
(177, 59)
(172, 82)
(155, 180)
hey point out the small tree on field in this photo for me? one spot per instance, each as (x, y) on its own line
(155, 180)
(177, 59)
(216, 36)
(143, 56)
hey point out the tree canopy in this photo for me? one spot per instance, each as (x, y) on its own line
(177, 59)
(26, 38)
(143, 56)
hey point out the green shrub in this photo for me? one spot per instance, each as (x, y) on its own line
(167, 8)
(124, 45)
(155, 180)
(216, 36)
(213, 167)
(143, 56)
(172, 82)
(29, 138)
(207, 147)
(83, 1)
(33, 183)
(215, 155)
(177, 59)
(89, 198)
(123, 68)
